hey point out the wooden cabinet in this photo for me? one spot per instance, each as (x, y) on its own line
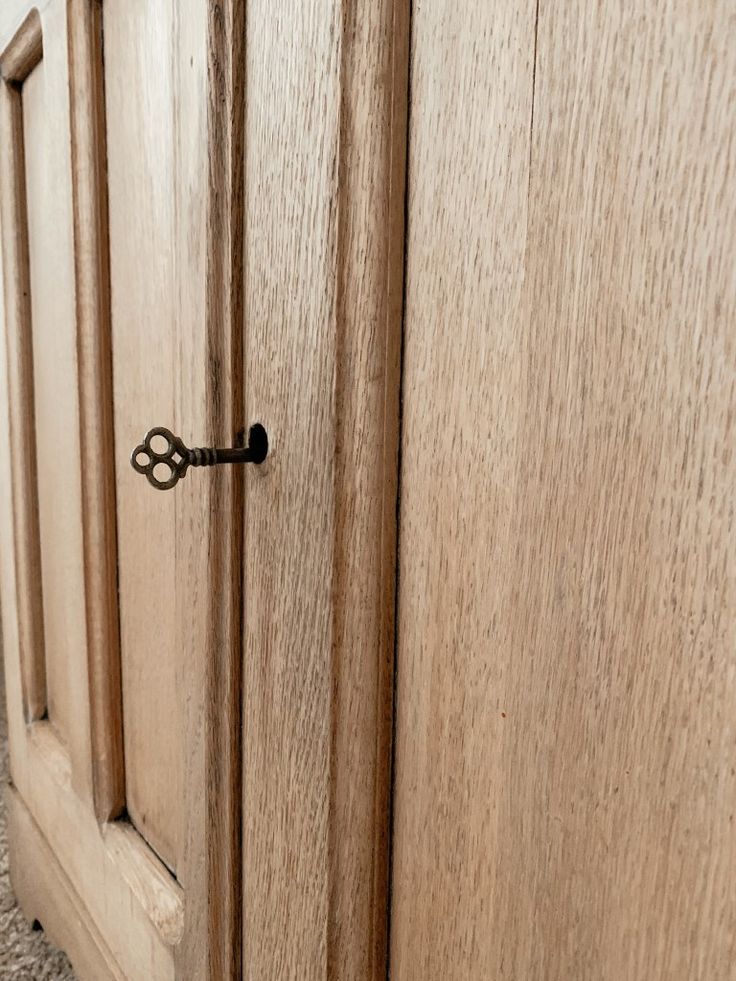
(201, 233)
(445, 686)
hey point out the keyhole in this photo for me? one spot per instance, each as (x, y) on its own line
(258, 443)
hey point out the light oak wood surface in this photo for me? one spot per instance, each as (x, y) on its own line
(566, 725)
(142, 134)
(45, 895)
(67, 769)
(162, 375)
(25, 47)
(564, 779)
(324, 134)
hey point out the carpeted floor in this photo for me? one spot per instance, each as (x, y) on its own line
(25, 953)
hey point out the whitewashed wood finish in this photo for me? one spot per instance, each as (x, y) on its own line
(173, 547)
(24, 48)
(45, 895)
(42, 774)
(45, 110)
(92, 307)
(565, 783)
(156, 113)
(139, 91)
(324, 138)
(20, 55)
(12, 15)
(43, 396)
(134, 909)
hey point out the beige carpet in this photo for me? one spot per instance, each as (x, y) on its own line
(25, 953)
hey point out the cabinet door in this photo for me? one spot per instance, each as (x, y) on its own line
(107, 585)
(566, 695)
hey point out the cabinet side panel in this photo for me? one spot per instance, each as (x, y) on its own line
(566, 693)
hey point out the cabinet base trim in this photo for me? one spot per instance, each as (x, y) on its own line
(45, 893)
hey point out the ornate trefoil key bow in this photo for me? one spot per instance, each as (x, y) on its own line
(178, 458)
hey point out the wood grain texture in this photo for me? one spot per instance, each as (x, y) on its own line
(24, 51)
(120, 903)
(129, 895)
(195, 508)
(44, 893)
(92, 291)
(565, 785)
(17, 291)
(155, 58)
(368, 296)
(148, 879)
(46, 138)
(162, 373)
(140, 108)
(324, 137)
(224, 427)
(126, 894)
(46, 451)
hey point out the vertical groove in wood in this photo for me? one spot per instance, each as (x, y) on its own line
(92, 276)
(395, 279)
(224, 306)
(16, 62)
(369, 301)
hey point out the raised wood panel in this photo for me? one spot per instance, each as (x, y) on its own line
(155, 60)
(67, 318)
(45, 110)
(140, 105)
(565, 788)
(124, 904)
(59, 172)
(110, 880)
(324, 137)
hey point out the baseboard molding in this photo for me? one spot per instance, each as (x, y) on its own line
(44, 893)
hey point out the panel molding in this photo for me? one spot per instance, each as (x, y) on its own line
(129, 895)
(24, 50)
(92, 282)
(19, 58)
